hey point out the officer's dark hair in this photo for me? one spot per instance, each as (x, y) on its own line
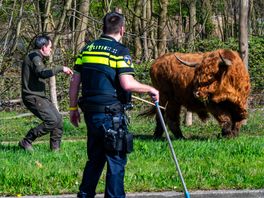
(42, 40)
(112, 22)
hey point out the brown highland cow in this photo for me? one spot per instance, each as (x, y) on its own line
(214, 82)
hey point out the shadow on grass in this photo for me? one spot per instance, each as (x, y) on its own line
(151, 137)
(204, 138)
(9, 147)
(187, 137)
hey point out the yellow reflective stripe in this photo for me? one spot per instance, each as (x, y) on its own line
(123, 64)
(78, 61)
(104, 54)
(117, 57)
(96, 53)
(98, 60)
(112, 63)
(103, 58)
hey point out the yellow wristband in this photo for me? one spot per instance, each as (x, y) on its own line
(73, 108)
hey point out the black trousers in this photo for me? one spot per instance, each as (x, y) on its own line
(44, 109)
(98, 156)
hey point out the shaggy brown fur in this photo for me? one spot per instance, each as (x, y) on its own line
(219, 85)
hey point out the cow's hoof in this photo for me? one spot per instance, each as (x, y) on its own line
(228, 134)
(157, 136)
(178, 136)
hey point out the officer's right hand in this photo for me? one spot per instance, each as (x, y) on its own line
(75, 117)
(154, 94)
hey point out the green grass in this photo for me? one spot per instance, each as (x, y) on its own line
(14, 129)
(206, 161)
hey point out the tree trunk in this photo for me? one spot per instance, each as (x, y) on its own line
(81, 28)
(106, 6)
(136, 29)
(152, 42)
(52, 82)
(252, 17)
(7, 40)
(38, 14)
(191, 37)
(243, 37)
(18, 27)
(73, 27)
(179, 32)
(207, 18)
(149, 22)
(145, 35)
(47, 27)
(192, 18)
(161, 27)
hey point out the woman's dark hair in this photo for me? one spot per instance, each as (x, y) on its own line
(42, 40)
(112, 22)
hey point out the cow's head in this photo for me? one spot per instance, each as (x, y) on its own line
(210, 73)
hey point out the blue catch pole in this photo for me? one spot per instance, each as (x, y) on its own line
(187, 195)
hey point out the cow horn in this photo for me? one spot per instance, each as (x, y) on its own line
(190, 64)
(226, 61)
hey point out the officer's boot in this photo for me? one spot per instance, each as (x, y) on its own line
(55, 145)
(55, 137)
(26, 142)
(82, 195)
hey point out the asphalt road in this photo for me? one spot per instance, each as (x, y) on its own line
(195, 194)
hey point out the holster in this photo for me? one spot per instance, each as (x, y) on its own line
(118, 139)
(128, 142)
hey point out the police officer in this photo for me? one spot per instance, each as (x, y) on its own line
(105, 70)
(34, 74)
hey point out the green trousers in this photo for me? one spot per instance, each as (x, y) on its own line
(52, 121)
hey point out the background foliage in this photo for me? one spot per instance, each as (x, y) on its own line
(216, 27)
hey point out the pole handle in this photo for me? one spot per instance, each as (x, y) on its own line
(186, 193)
(135, 97)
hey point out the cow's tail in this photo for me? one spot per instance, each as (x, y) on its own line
(149, 112)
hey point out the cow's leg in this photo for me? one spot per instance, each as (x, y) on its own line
(226, 128)
(159, 129)
(231, 129)
(173, 120)
(236, 128)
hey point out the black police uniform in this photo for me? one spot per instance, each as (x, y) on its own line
(34, 74)
(100, 64)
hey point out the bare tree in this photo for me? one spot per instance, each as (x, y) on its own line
(152, 42)
(81, 28)
(46, 16)
(136, 28)
(243, 26)
(162, 21)
(38, 14)
(49, 26)
(192, 23)
(106, 4)
(7, 37)
(207, 17)
(190, 42)
(18, 27)
(144, 27)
